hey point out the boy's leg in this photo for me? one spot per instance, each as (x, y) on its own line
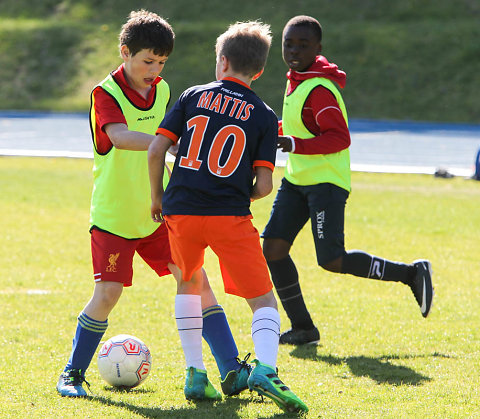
(285, 278)
(216, 332)
(248, 277)
(112, 260)
(188, 247)
(188, 314)
(289, 214)
(328, 231)
(265, 333)
(417, 275)
(155, 251)
(87, 337)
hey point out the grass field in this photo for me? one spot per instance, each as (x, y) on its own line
(378, 357)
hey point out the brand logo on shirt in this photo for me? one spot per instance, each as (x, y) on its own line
(112, 260)
(146, 118)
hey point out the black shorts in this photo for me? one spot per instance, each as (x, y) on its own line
(324, 204)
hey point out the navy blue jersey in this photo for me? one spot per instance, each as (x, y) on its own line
(225, 130)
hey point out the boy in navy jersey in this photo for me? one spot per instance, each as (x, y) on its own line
(126, 109)
(228, 139)
(317, 184)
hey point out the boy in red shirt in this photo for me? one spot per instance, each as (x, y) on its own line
(317, 184)
(126, 109)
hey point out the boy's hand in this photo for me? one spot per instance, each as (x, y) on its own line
(156, 211)
(156, 166)
(285, 143)
(173, 150)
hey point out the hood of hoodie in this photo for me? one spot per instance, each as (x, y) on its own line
(320, 68)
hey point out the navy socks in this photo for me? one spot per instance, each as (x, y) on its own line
(217, 333)
(85, 342)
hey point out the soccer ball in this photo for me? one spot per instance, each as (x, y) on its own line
(124, 361)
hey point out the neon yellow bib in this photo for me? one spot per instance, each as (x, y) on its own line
(305, 169)
(121, 189)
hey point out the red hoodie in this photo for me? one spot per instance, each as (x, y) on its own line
(321, 113)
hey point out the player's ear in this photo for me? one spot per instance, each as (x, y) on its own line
(124, 52)
(225, 64)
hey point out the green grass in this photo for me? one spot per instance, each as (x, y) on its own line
(404, 59)
(378, 357)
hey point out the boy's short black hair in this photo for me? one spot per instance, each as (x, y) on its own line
(306, 21)
(147, 30)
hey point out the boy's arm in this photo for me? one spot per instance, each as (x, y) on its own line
(124, 139)
(156, 164)
(263, 182)
(323, 117)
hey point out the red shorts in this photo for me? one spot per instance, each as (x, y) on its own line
(234, 240)
(112, 256)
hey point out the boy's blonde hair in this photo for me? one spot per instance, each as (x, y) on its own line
(246, 46)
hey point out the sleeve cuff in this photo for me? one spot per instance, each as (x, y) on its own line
(264, 163)
(169, 134)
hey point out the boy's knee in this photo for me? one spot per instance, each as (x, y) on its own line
(275, 249)
(266, 300)
(108, 293)
(334, 265)
(194, 285)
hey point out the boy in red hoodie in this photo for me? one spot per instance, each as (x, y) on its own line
(314, 131)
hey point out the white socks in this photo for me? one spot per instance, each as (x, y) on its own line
(265, 335)
(188, 314)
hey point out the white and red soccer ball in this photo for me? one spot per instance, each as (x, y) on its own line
(124, 361)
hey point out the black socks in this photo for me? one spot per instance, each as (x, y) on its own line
(285, 278)
(362, 264)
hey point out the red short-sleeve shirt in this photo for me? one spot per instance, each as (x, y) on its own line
(107, 110)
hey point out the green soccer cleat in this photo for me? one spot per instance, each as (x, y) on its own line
(264, 380)
(236, 380)
(70, 383)
(198, 387)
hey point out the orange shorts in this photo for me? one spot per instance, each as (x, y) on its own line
(234, 240)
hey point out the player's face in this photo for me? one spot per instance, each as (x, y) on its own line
(300, 47)
(143, 68)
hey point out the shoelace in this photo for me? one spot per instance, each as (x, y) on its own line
(76, 378)
(243, 363)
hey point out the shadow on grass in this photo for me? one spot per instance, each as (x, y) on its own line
(127, 390)
(379, 369)
(227, 408)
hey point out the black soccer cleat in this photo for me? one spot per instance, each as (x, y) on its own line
(422, 287)
(300, 337)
